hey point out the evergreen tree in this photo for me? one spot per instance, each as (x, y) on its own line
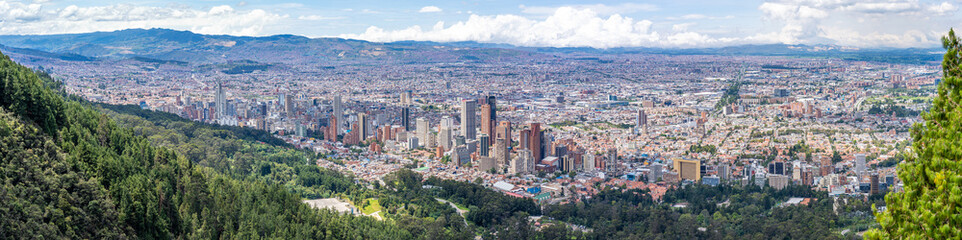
(930, 206)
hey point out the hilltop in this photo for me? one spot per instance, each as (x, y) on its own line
(185, 46)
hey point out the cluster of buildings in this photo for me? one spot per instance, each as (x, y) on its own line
(561, 125)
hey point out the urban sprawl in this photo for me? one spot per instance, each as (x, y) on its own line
(560, 127)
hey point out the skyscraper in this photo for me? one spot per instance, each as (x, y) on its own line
(491, 115)
(611, 161)
(642, 121)
(504, 131)
(859, 163)
(288, 104)
(487, 123)
(337, 114)
(444, 132)
(483, 144)
(363, 126)
(589, 162)
(491, 101)
(331, 134)
(423, 131)
(468, 115)
(523, 138)
(521, 163)
(534, 141)
(406, 118)
(220, 101)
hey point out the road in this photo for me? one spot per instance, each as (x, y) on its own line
(460, 212)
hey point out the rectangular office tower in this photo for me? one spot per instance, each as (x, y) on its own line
(534, 141)
(483, 144)
(489, 116)
(487, 124)
(406, 118)
(337, 114)
(468, 118)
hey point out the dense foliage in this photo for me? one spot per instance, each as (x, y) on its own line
(730, 96)
(234, 151)
(721, 212)
(408, 196)
(930, 205)
(70, 172)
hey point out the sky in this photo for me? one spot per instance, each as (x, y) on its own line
(550, 23)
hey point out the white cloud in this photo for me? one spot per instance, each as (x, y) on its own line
(19, 18)
(566, 27)
(943, 8)
(861, 23)
(699, 17)
(597, 8)
(317, 18)
(681, 27)
(429, 9)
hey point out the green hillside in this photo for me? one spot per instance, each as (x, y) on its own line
(71, 172)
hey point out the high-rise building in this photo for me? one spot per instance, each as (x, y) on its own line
(363, 126)
(288, 104)
(776, 168)
(611, 160)
(220, 101)
(724, 171)
(486, 164)
(331, 134)
(487, 122)
(642, 121)
(534, 141)
(859, 163)
(501, 154)
(520, 163)
(459, 140)
(423, 131)
(483, 144)
(468, 117)
(567, 163)
(406, 118)
(655, 172)
(491, 101)
(406, 98)
(589, 162)
(412, 142)
(489, 114)
(444, 132)
(688, 169)
(446, 121)
(460, 155)
(337, 114)
(503, 131)
(778, 181)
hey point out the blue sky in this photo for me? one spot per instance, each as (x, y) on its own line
(602, 24)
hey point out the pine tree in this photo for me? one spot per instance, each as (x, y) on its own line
(930, 205)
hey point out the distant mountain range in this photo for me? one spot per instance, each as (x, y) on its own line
(185, 46)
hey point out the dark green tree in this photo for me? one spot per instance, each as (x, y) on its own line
(930, 205)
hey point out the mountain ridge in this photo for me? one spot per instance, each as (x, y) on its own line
(186, 46)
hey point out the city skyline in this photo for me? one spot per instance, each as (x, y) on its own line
(603, 24)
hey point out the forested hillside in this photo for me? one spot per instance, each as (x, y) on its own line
(235, 151)
(70, 172)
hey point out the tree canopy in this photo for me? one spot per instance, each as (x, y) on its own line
(930, 205)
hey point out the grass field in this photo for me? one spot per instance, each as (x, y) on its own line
(373, 206)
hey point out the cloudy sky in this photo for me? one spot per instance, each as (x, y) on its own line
(557, 23)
